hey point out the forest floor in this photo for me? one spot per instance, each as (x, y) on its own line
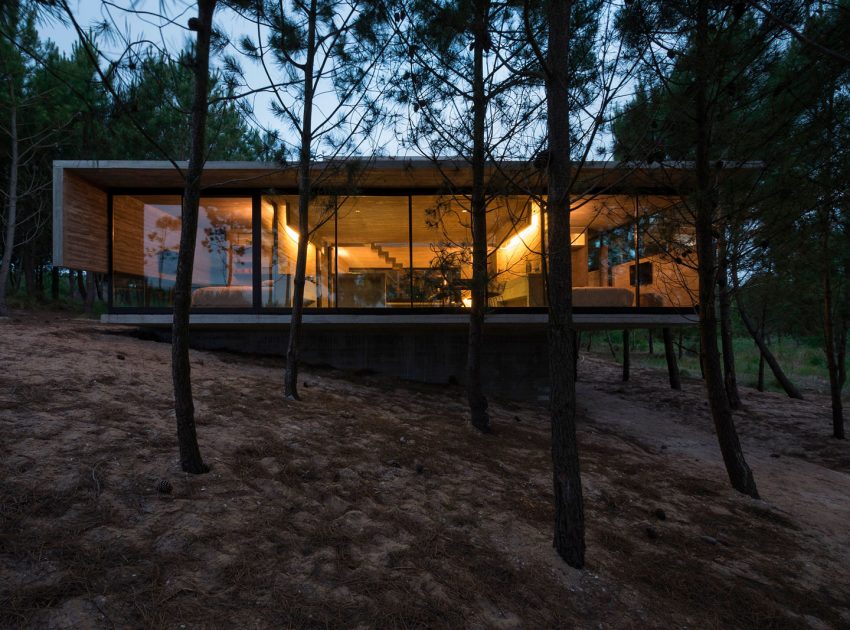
(372, 503)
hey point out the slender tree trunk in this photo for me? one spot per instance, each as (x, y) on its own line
(730, 379)
(569, 504)
(672, 365)
(829, 345)
(72, 280)
(184, 407)
(11, 205)
(610, 344)
(627, 353)
(98, 285)
(841, 356)
(15, 274)
(90, 291)
(54, 283)
(81, 285)
(681, 345)
(293, 346)
(474, 390)
(39, 282)
(28, 270)
(649, 338)
(780, 376)
(760, 382)
(739, 472)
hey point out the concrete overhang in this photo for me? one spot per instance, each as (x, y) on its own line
(386, 173)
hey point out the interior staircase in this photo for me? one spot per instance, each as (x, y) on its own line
(385, 256)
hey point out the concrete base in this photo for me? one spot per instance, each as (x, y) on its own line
(427, 348)
(514, 363)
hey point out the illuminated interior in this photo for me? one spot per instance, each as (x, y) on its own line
(146, 239)
(399, 251)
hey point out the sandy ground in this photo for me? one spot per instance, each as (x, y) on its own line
(373, 504)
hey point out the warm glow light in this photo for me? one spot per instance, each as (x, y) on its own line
(341, 251)
(467, 302)
(578, 239)
(291, 233)
(521, 236)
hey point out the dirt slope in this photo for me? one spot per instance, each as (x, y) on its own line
(372, 504)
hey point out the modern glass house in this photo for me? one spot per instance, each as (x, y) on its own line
(389, 246)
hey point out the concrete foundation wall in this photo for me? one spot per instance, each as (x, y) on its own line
(515, 364)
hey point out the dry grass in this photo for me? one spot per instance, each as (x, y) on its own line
(369, 504)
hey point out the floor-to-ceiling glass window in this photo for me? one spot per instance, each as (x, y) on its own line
(442, 250)
(373, 257)
(223, 270)
(280, 237)
(146, 241)
(666, 269)
(640, 253)
(516, 268)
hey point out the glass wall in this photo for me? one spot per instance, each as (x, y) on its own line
(638, 254)
(373, 264)
(441, 231)
(518, 257)
(442, 251)
(400, 252)
(280, 236)
(146, 239)
(222, 276)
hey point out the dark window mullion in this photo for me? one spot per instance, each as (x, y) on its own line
(410, 243)
(256, 250)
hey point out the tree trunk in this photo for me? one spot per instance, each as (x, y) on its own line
(783, 380)
(90, 290)
(11, 205)
(610, 344)
(566, 476)
(39, 282)
(81, 285)
(739, 472)
(649, 338)
(190, 454)
(293, 346)
(54, 283)
(475, 346)
(670, 354)
(28, 270)
(626, 354)
(841, 356)
(760, 382)
(829, 345)
(730, 379)
(98, 285)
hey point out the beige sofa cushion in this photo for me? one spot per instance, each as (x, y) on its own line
(602, 296)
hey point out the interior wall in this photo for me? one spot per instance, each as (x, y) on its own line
(128, 230)
(84, 226)
(674, 284)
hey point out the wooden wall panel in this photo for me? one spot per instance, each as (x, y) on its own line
(128, 227)
(85, 226)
